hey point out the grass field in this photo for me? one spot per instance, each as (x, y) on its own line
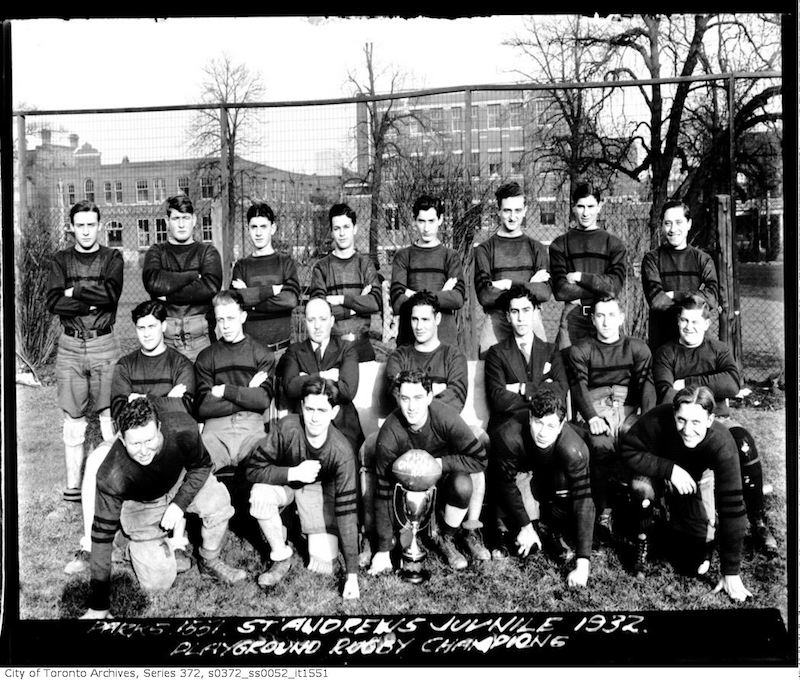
(49, 530)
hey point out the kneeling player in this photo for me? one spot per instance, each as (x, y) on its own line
(307, 462)
(155, 472)
(540, 462)
(668, 450)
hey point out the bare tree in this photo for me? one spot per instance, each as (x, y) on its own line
(223, 132)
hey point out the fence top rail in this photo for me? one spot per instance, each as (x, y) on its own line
(752, 75)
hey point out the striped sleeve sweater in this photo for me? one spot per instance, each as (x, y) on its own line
(287, 446)
(444, 435)
(260, 273)
(446, 364)
(597, 254)
(518, 259)
(154, 376)
(685, 272)
(420, 269)
(233, 365)
(652, 447)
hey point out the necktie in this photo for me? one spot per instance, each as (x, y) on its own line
(318, 354)
(524, 348)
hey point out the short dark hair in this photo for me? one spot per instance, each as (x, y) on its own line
(341, 209)
(426, 202)
(516, 291)
(606, 298)
(318, 385)
(413, 376)
(154, 307)
(669, 205)
(545, 401)
(508, 190)
(136, 413)
(424, 297)
(83, 206)
(260, 209)
(225, 297)
(695, 394)
(584, 190)
(696, 302)
(182, 203)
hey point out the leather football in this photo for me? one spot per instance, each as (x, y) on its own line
(416, 470)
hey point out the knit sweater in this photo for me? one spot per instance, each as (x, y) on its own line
(446, 364)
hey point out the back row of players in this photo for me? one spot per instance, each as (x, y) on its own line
(158, 467)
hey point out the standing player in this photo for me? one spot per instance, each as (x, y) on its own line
(267, 282)
(427, 265)
(83, 289)
(586, 263)
(508, 258)
(673, 272)
(349, 282)
(185, 275)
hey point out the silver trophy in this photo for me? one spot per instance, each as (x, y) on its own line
(413, 510)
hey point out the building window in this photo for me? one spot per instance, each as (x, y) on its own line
(516, 161)
(114, 234)
(161, 230)
(183, 185)
(392, 218)
(547, 214)
(118, 191)
(108, 191)
(495, 162)
(274, 189)
(493, 116)
(71, 194)
(389, 254)
(475, 164)
(475, 118)
(159, 190)
(540, 111)
(437, 120)
(207, 187)
(142, 191)
(143, 231)
(456, 119)
(208, 229)
(283, 190)
(515, 114)
(88, 190)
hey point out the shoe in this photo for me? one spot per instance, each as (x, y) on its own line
(763, 540)
(275, 573)
(72, 495)
(447, 547)
(555, 546)
(474, 543)
(604, 526)
(183, 560)
(223, 573)
(640, 565)
(501, 550)
(78, 564)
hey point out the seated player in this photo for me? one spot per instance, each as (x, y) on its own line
(157, 470)
(610, 379)
(234, 383)
(667, 451)
(156, 371)
(695, 359)
(307, 462)
(420, 422)
(327, 356)
(540, 462)
(348, 281)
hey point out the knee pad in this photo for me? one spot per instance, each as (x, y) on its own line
(266, 501)
(323, 547)
(107, 426)
(74, 430)
(745, 444)
(154, 564)
(458, 490)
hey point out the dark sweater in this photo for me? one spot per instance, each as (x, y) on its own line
(652, 447)
(287, 446)
(96, 279)
(446, 364)
(421, 268)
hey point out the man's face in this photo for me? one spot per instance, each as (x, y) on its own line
(607, 320)
(692, 327)
(180, 226)
(676, 227)
(150, 332)
(512, 213)
(230, 321)
(261, 232)
(343, 231)
(86, 228)
(424, 323)
(545, 430)
(692, 421)
(586, 210)
(414, 401)
(143, 443)
(520, 316)
(317, 414)
(319, 321)
(428, 223)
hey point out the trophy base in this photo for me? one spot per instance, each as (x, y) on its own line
(414, 576)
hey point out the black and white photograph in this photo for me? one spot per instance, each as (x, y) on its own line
(425, 341)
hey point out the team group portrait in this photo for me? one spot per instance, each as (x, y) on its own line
(481, 350)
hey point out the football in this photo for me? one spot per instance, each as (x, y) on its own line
(416, 470)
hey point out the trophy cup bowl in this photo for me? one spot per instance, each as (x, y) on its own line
(414, 500)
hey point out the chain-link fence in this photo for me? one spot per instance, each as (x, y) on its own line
(459, 145)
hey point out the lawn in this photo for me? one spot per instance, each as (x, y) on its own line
(49, 530)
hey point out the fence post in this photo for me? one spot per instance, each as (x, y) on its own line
(225, 213)
(730, 322)
(22, 153)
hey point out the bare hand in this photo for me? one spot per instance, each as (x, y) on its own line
(258, 379)
(682, 481)
(171, 516)
(330, 374)
(450, 284)
(438, 388)
(96, 614)
(135, 395)
(68, 292)
(679, 384)
(238, 284)
(526, 539)
(335, 299)
(541, 276)
(574, 277)
(502, 284)
(163, 298)
(410, 293)
(306, 472)
(598, 425)
(365, 290)
(381, 562)
(734, 586)
(218, 391)
(579, 576)
(513, 387)
(670, 294)
(277, 288)
(350, 590)
(178, 391)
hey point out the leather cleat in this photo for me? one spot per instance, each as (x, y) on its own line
(78, 564)
(447, 547)
(473, 541)
(640, 565)
(763, 540)
(223, 573)
(183, 560)
(275, 573)
(604, 526)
